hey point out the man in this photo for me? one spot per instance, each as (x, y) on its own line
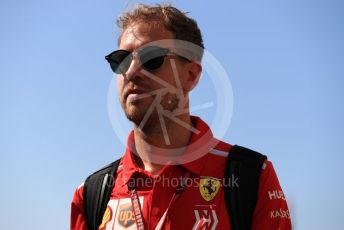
(170, 176)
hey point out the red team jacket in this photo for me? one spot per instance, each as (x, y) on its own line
(199, 206)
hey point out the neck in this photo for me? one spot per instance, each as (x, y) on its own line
(157, 146)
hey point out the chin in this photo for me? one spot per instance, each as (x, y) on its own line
(135, 114)
(135, 118)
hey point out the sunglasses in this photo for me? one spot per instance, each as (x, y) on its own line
(151, 58)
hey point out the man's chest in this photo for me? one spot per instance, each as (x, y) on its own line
(199, 206)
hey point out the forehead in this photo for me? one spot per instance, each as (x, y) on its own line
(141, 33)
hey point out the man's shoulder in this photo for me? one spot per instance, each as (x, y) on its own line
(218, 157)
(221, 149)
(215, 160)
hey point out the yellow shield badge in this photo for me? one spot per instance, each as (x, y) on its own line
(209, 187)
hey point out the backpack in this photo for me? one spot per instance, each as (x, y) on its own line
(240, 201)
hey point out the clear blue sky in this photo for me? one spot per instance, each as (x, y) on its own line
(285, 60)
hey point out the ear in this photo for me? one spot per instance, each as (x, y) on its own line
(193, 73)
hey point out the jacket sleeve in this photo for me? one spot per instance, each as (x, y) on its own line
(77, 220)
(272, 210)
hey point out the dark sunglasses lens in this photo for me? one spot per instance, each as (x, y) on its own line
(152, 57)
(120, 61)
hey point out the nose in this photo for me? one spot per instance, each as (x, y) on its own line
(134, 70)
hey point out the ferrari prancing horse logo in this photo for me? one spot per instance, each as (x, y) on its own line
(209, 187)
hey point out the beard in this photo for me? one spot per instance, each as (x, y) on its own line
(144, 113)
(135, 111)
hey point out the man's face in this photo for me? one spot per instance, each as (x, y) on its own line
(137, 88)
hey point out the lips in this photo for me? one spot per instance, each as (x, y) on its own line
(133, 91)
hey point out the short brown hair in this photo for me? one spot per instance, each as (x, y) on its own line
(182, 26)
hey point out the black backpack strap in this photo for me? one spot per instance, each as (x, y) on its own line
(246, 165)
(97, 191)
